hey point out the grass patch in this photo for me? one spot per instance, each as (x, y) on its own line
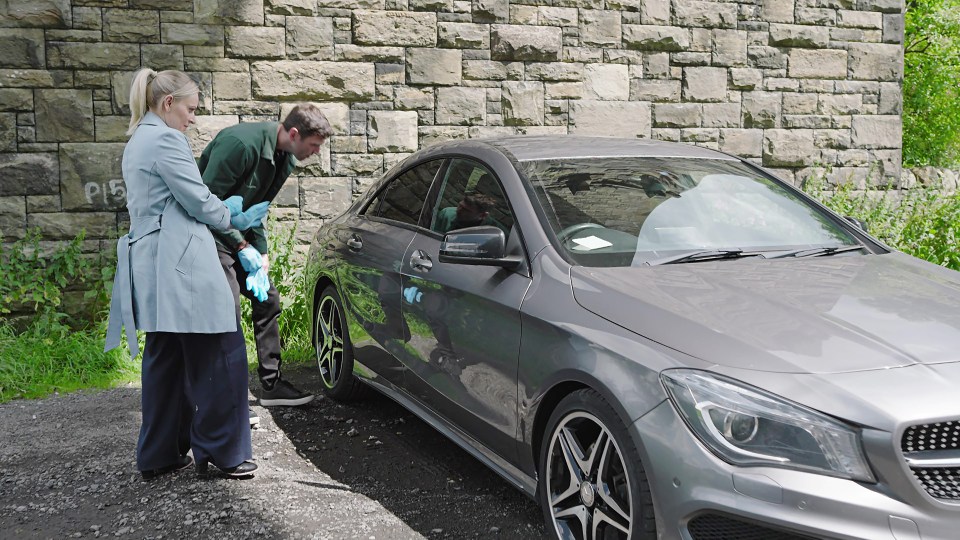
(48, 357)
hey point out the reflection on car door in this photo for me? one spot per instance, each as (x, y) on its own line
(373, 246)
(464, 321)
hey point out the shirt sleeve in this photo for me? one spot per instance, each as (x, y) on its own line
(225, 162)
(177, 168)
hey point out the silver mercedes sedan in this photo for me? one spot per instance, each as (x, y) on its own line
(653, 340)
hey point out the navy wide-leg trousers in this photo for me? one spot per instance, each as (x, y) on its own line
(194, 396)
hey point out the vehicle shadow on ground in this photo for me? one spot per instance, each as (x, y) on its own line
(379, 449)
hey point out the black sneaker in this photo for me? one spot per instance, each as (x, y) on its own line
(283, 393)
(254, 418)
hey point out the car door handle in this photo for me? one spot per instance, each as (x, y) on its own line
(354, 243)
(420, 261)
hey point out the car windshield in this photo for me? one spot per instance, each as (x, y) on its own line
(623, 211)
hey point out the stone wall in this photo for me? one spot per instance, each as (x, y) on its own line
(790, 84)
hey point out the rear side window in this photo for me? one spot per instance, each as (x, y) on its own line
(403, 198)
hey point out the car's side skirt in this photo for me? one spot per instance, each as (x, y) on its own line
(517, 478)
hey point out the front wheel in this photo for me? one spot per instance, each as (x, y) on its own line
(334, 349)
(592, 483)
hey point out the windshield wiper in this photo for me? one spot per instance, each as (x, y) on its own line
(704, 255)
(817, 252)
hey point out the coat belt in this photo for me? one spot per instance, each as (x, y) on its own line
(121, 300)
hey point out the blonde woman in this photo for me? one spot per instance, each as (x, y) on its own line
(169, 284)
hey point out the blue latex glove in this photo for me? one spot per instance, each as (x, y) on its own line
(412, 295)
(251, 218)
(250, 259)
(259, 284)
(234, 204)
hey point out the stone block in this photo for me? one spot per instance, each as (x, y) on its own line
(338, 114)
(818, 64)
(463, 35)
(557, 16)
(16, 99)
(523, 14)
(35, 78)
(461, 106)
(392, 131)
(8, 132)
(22, 48)
(160, 57)
(877, 131)
(306, 8)
(308, 80)
(859, 19)
(64, 115)
(398, 28)
(893, 28)
(357, 164)
(555, 71)
(36, 14)
(655, 90)
(614, 118)
(231, 86)
(485, 70)
(112, 128)
(742, 142)
(564, 90)
(434, 66)
(430, 135)
(891, 99)
(704, 84)
(729, 48)
(490, 11)
(255, 42)
(797, 35)
(131, 25)
(789, 148)
(91, 177)
(609, 82)
(655, 12)
(309, 36)
(528, 43)
(655, 38)
(721, 115)
(93, 55)
(239, 12)
(29, 174)
(675, 115)
(840, 104)
(522, 103)
(411, 98)
(121, 81)
(206, 129)
(766, 57)
(164, 5)
(761, 109)
(600, 28)
(66, 225)
(745, 78)
(693, 13)
(876, 62)
(191, 34)
(325, 198)
(13, 218)
(800, 103)
(777, 10)
(352, 4)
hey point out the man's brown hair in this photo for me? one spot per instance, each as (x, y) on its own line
(308, 120)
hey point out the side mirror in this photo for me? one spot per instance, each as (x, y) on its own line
(483, 246)
(858, 222)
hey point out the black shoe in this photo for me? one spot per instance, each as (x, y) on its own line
(182, 463)
(254, 418)
(242, 470)
(283, 393)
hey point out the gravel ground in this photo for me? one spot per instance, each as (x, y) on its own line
(367, 470)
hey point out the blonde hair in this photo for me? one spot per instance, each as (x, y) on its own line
(150, 87)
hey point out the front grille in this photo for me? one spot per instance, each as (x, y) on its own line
(937, 436)
(935, 441)
(718, 527)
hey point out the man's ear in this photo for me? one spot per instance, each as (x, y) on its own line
(293, 133)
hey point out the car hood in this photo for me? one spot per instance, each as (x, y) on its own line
(811, 315)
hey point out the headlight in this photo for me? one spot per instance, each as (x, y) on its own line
(746, 426)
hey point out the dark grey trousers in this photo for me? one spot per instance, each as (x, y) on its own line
(265, 317)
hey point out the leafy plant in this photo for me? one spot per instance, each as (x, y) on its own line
(931, 101)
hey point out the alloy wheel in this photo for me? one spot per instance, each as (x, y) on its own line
(329, 341)
(588, 488)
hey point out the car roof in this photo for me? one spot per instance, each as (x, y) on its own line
(538, 147)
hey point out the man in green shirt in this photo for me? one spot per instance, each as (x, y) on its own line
(253, 160)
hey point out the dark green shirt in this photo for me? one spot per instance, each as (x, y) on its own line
(243, 160)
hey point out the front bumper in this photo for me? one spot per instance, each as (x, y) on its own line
(689, 482)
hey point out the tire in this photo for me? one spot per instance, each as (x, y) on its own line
(334, 350)
(585, 439)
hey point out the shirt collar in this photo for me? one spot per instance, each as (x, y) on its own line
(151, 118)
